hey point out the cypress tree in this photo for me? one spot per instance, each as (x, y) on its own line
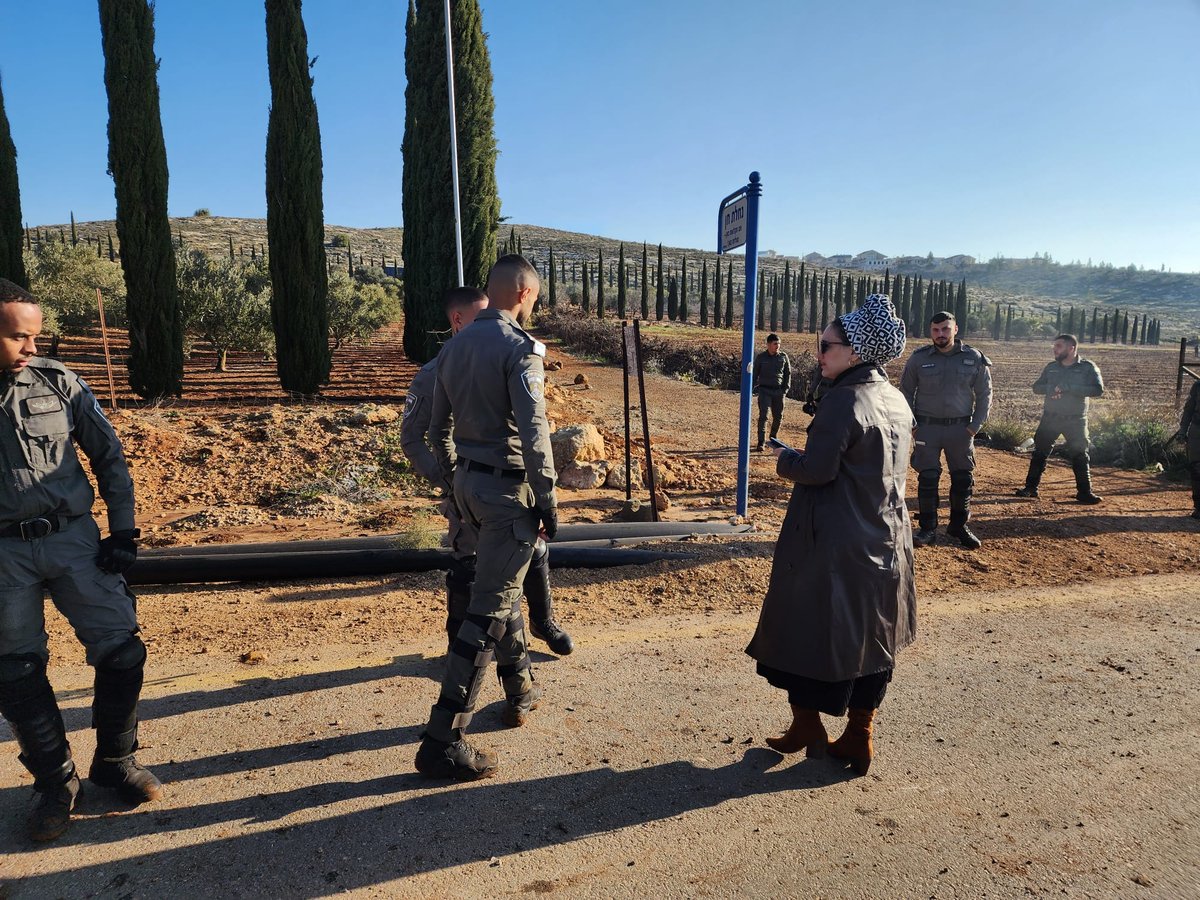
(12, 263)
(1008, 324)
(586, 302)
(553, 299)
(137, 158)
(1104, 329)
(295, 208)
(1093, 332)
(600, 285)
(996, 324)
(760, 305)
(645, 283)
(621, 289)
(683, 285)
(812, 303)
(1144, 320)
(786, 324)
(962, 309)
(429, 245)
(659, 297)
(673, 299)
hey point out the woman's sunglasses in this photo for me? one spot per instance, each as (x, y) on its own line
(825, 345)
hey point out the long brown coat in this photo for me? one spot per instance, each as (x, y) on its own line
(841, 602)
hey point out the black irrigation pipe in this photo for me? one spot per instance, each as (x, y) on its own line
(602, 534)
(159, 567)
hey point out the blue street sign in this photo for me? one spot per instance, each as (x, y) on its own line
(737, 224)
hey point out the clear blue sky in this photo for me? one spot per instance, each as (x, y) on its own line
(990, 127)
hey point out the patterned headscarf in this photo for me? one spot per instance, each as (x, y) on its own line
(874, 331)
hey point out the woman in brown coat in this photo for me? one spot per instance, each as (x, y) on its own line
(841, 601)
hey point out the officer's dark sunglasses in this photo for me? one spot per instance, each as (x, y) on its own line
(825, 345)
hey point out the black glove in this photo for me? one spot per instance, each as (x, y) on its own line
(549, 520)
(118, 551)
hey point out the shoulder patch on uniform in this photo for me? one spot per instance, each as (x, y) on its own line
(44, 404)
(534, 385)
(539, 348)
(411, 402)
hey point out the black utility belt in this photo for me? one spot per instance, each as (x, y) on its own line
(471, 466)
(933, 420)
(36, 528)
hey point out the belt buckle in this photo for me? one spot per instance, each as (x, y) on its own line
(27, 533)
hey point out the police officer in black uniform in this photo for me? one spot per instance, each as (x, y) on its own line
(48, 540)
(490, 385)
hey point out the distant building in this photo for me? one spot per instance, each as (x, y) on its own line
(840, 260)
(816, 259)
(870, 259)
(767, 254)
(960, 260)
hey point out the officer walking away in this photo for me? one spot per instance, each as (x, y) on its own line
(1189, 432)
(490, 379)
(462, 304)
(48, 540)
(1067, 383)
(772, 378)
(948, 385)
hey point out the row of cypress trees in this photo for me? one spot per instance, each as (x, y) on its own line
(1103, 328)
(138, 163)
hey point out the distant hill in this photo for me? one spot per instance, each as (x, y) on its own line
(1038, 286)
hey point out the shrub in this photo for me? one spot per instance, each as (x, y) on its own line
(339, 240)
(64, 278)
(201, 213)
(357, 311)
(1133, 440)
(1004, 434)
(225, 303)
(698, 361)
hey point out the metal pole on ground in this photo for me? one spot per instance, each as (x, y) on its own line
(650, 479)
(112, 388)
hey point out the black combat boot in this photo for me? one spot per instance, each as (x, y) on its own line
(454, 759)
(114, 716)
(28, 705)
(927, 507)
(1083, 481)
(541, 606)
(962, 487)
(1037, 465)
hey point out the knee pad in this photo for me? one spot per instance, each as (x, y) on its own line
(18, 667)
(130, 655)
(927, 479)
(541, 555)
(962, 479)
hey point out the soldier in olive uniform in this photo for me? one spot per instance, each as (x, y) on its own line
(1067, 383)
(948, 385)
(772, 378)
(462, 305)
(1189, 431)
(490, 379)
(48, 540)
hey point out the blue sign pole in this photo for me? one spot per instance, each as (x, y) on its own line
(753, 192)
(737, 224)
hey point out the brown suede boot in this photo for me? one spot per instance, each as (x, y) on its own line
(806, 731)
(854, 745)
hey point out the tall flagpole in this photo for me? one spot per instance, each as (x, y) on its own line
(454, 147)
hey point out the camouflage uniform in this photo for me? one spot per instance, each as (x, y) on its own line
(490, 378)
(49, 540)
(1067, 390)
(772, 378)
(414, 428)
(950, 395)
(1189, 430)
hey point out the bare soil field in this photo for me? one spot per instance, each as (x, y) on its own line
(1041, 737)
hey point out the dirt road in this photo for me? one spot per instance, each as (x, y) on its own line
(1034, 742)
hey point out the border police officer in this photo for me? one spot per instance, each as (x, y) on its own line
(491, 380)
(1067, 383)
(772, 377)
(462, 305)
(1189, 432)
(948, 384)
(48, 539)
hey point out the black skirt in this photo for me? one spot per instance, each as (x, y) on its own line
(830, 697)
